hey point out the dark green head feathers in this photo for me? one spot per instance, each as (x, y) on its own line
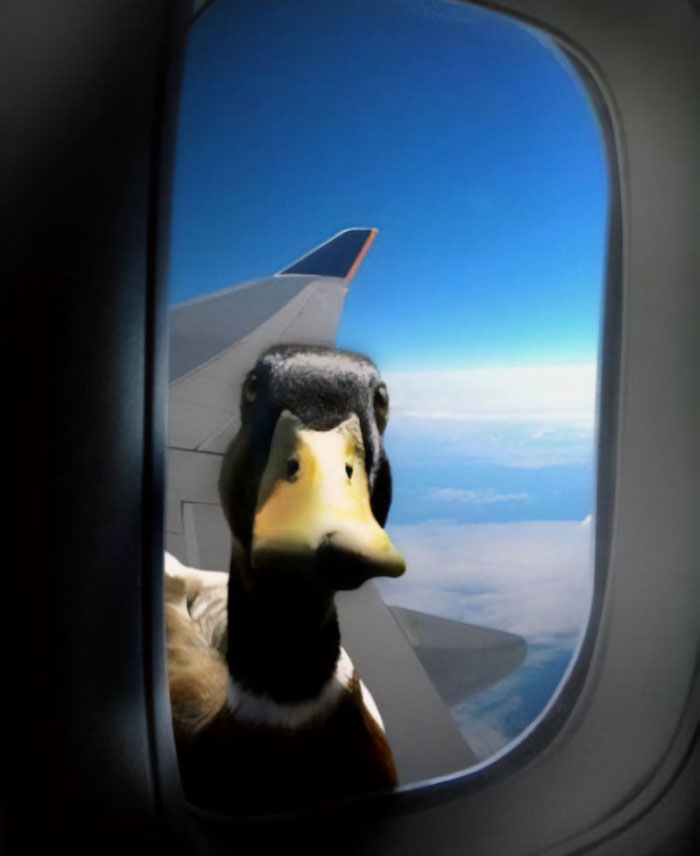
(296, 393)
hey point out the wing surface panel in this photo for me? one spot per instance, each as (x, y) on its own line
(202, 328)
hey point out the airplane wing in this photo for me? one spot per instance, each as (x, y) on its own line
(214, 342)
(416, 666)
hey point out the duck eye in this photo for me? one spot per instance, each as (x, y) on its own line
(292, 467)
(348, 470)
(381, 403)
(250, 388)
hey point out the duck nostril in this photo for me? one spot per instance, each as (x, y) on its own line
(292, 467)
(348, 470)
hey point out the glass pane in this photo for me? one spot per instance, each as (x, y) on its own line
(467, 141)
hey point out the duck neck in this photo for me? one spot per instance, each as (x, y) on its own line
(283, 639)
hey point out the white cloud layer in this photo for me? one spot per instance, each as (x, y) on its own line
(543, 394)
(532, 578)
(486, 729)
(517, 417)
(471, 497)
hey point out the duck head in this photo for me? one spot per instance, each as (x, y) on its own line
(305, 484)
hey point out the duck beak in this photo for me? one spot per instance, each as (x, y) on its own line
(313, 510)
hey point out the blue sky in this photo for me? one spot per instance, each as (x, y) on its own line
(455, 132)
(470, 145)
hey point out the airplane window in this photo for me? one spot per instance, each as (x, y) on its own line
(423, 183)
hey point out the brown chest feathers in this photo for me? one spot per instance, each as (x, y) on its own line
(242, 752)
(259, 768)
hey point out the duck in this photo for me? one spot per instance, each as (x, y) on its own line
(269, 712)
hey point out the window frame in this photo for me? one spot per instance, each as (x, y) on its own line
(490, 785)
(543, 730)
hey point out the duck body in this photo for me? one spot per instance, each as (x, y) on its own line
(256, 756)
(257, 770)
(281, 718)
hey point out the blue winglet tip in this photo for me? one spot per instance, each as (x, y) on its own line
(339, 256)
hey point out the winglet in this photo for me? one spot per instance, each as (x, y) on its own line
(339, 256)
